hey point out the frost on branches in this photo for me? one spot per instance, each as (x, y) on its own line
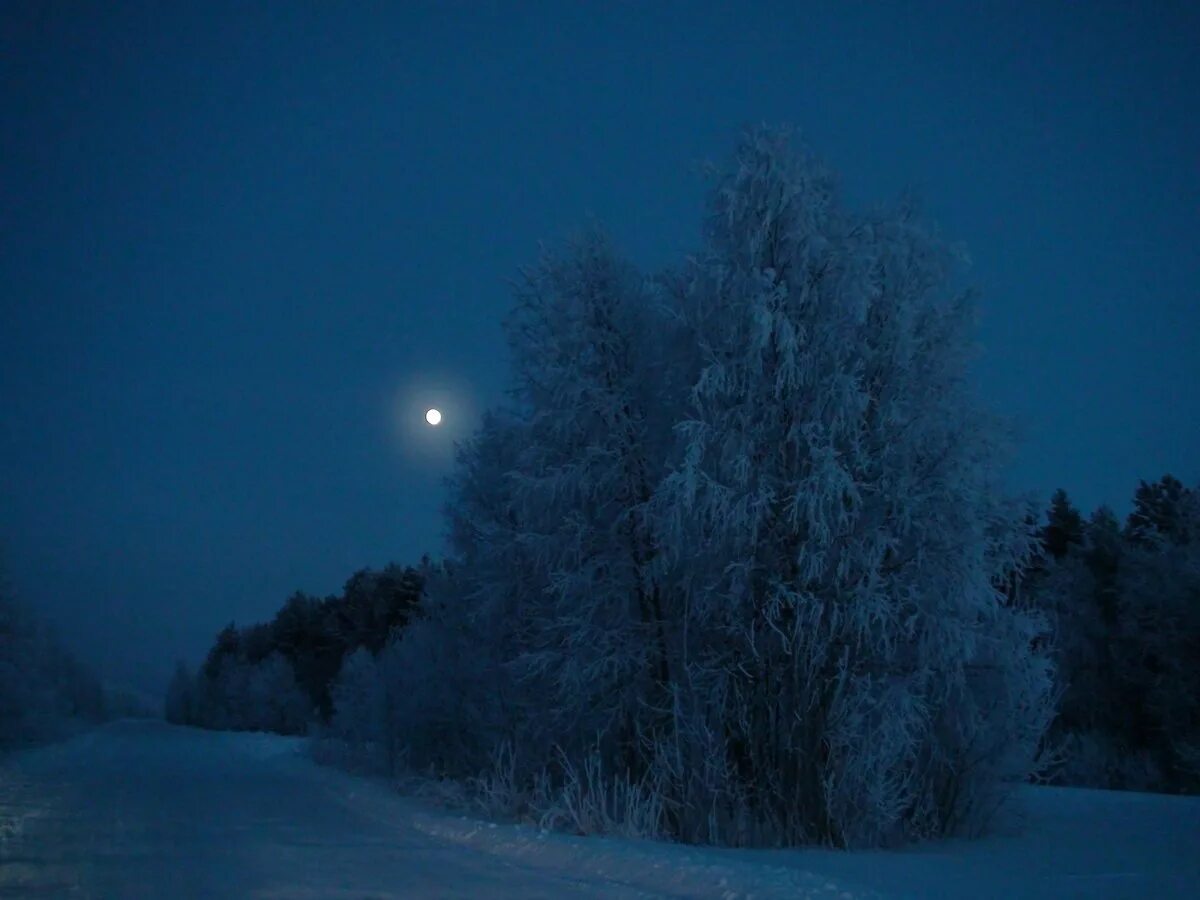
(836, 532)
(729, 567)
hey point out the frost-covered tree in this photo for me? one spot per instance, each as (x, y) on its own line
(234, 693)
(836, 530)
(550, 614)
(358, 700)
(272, 699)
(362, 717)
(728, 562)
(587, 341)
(474, 619)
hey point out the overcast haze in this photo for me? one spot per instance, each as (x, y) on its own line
(242, 247)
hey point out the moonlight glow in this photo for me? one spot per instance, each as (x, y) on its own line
(433, 417)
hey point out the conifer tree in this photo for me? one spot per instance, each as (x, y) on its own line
(1064, 526)
(1160, 510)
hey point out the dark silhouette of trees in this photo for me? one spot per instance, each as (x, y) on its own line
(1124, 608)
(45, 693)
(276, 676)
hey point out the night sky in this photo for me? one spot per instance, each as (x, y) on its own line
(242, 247)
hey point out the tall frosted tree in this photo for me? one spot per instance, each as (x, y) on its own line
(549, 518)
(454, 695)
(583, 484)
(730, 562)
(836, 530)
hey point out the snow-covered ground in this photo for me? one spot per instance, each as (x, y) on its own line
(144, 809)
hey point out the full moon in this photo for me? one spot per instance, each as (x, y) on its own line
(433, 417)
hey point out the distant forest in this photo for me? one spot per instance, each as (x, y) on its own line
(734, 563)
(45, 692)
(1121, 604)
(278, 676)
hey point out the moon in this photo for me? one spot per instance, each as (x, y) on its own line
(433, 416)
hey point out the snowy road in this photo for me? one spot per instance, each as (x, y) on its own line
(144, 809)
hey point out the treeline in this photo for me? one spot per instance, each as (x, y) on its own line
(45, 693)
(1123, 604)
(276, 676)
(733, 565)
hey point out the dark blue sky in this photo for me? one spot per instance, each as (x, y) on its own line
(241, 245)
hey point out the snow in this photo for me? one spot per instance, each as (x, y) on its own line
(144, 809)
